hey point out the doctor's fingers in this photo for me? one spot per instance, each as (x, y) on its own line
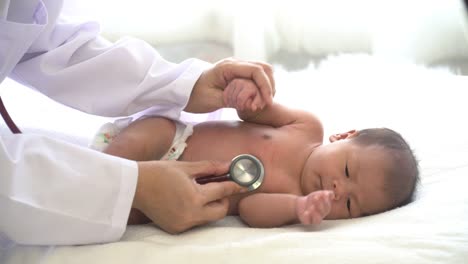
(215, 210)
(269, 72)
(197, 169)
(214, 191)
(232, 69)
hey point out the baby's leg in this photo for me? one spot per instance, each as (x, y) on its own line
(145, 139)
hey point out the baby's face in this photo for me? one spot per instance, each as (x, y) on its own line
(354, 173)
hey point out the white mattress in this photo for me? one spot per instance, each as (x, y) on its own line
(427, 106)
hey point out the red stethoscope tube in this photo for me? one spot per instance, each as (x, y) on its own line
(213, 178)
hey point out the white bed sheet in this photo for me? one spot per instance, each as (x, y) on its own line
(428, 106)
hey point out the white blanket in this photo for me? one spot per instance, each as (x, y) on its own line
(427, 106)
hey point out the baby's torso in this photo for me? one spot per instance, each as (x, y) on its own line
(281, 150)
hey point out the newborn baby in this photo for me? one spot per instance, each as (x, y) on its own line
(358, 173)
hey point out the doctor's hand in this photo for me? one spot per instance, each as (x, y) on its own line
(207, 94)
(169, 196)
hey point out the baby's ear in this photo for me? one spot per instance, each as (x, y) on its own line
(341, 136)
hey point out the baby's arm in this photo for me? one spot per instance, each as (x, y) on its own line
(244, 96)
(277, 209)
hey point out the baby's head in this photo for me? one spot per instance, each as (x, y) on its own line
(401, 173)
(370, 171)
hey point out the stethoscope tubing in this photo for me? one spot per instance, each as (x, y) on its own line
(213, 178)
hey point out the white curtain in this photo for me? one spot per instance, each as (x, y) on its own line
(424, 31)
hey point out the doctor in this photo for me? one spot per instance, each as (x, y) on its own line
(56, 193)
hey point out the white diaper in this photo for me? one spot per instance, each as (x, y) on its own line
(107, 132)
(183, 131)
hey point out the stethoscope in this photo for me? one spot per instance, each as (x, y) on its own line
(4, 113)
(245, 170)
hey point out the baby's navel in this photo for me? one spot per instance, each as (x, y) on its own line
(266, 136)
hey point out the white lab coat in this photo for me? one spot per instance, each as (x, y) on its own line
(53, 192)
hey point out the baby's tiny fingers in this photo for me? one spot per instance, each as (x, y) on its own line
(243, 97)
(316, 219)
(322, 205)
(248, 104)
(306, 217)
(225, 98)
(326, 195)
(258, 102)
(313, 217)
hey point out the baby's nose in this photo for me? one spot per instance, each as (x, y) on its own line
(339, 190)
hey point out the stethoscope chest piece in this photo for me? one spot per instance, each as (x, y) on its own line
(245, 170)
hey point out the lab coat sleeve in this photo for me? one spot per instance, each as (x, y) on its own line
(72, 64)
(53, 192)
(56, 193)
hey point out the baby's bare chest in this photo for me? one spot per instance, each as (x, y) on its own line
(225, 140)
(279, 150)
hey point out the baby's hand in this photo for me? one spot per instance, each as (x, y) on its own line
(243, 94)
(313, 208)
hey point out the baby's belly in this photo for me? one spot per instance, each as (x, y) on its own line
(224, 140)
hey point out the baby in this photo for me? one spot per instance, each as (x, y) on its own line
(359, 173)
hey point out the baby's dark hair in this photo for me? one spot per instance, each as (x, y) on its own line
(402, 176)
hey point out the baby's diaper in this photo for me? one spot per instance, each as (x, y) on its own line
(183, 132)
(107, 132)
